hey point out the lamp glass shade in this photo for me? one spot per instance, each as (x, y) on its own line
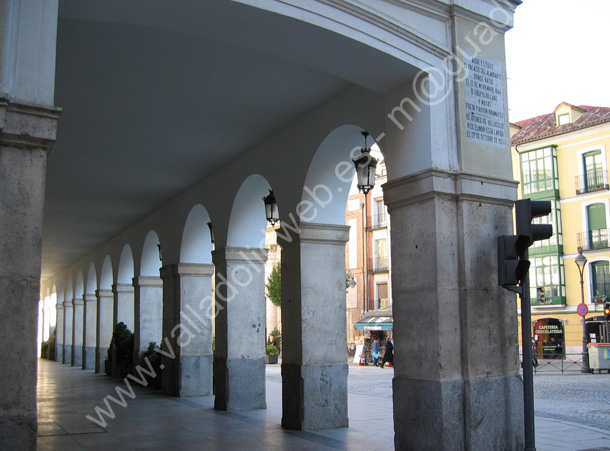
(271, 210)
(580, 260)
(366, 166)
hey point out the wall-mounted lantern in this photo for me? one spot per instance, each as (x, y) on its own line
(271, 210)
(366, 166)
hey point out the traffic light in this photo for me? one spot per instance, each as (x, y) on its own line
(525, 211)
(513, 264)
(607, 311)
(511, 269)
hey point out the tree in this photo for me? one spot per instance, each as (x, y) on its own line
(274, 285)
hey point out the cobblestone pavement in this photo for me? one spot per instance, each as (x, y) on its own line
(575, 397)
(581, 398)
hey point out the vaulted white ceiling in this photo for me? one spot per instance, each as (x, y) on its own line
(157, 95)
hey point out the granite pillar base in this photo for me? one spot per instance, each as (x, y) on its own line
(239, 384)
(314, 396)
(18, 432)
(196, 373)
(77, 356)
(477, 414)
(67, 356)
(89, 358)
(101, 357)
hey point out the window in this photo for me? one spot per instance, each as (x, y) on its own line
(563, 119)
(539, 173)
(594, 170)
(382, 294)
(546, 280)
(380, 255)
(380, 220)
(597, 233)
(600, 272)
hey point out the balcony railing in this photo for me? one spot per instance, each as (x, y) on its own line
(379, 221)
(593, 239)
(591, 181)
(379, 264)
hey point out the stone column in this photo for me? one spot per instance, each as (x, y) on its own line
(77, 332)
(123, 304)
(314, 367)
(59, 333)
(90, 332)
(28, 123)
(105, 309)
(187, 329)
(239, 366)
(68, 328)
(148, 313)
(456, 373)
(123, 312)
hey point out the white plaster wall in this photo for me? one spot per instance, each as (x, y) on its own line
(28, 50)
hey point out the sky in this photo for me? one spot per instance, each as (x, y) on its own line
(558, 51)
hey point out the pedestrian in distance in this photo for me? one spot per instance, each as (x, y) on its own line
(388, 355)
(375, 352)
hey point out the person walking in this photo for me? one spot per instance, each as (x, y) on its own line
(375, 352)
(388, 355)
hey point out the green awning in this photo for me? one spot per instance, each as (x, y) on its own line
(376, 320)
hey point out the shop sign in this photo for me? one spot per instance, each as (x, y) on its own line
(549, 338)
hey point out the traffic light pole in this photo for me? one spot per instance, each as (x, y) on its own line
(528, 367)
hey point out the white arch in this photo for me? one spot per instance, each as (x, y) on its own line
(151, 261)
(61, 293)
(196, 246)
(79, 287)
(126, 267)
(106, 274)
(248, 223)
(91, 285)
(330, 176)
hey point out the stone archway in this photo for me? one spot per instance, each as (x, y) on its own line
(239, 366)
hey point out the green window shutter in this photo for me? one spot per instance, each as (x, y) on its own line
(596, 214)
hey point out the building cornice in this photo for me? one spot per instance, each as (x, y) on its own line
(380, 20)
(27, 126)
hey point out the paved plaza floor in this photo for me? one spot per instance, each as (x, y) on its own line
(151, 420)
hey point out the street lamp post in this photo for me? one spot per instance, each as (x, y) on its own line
(581, 261)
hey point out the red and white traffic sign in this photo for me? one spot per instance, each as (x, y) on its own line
(582, 309)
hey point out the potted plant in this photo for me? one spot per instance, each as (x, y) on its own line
(121, 351)
(272, 353)
(154, 358)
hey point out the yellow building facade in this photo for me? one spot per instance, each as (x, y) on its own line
(563, 157)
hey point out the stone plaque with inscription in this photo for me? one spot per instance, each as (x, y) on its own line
(484, 87)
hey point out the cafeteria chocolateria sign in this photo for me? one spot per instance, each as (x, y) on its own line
(549, 338)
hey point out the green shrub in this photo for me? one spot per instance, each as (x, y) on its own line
(122, 343)
(272, 350)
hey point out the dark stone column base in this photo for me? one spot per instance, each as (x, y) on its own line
(18, 432)
(314, 396)
(477, 414)
(240, 384)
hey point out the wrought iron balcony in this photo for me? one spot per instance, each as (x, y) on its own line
(591, 181)
(379, 264)
(379, 221)
(593, 239)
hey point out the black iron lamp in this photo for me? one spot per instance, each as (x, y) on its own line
(365, 168)
(211, 232)
(271, 210)
(581, 261)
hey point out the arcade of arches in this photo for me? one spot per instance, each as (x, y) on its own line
(136, 144)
